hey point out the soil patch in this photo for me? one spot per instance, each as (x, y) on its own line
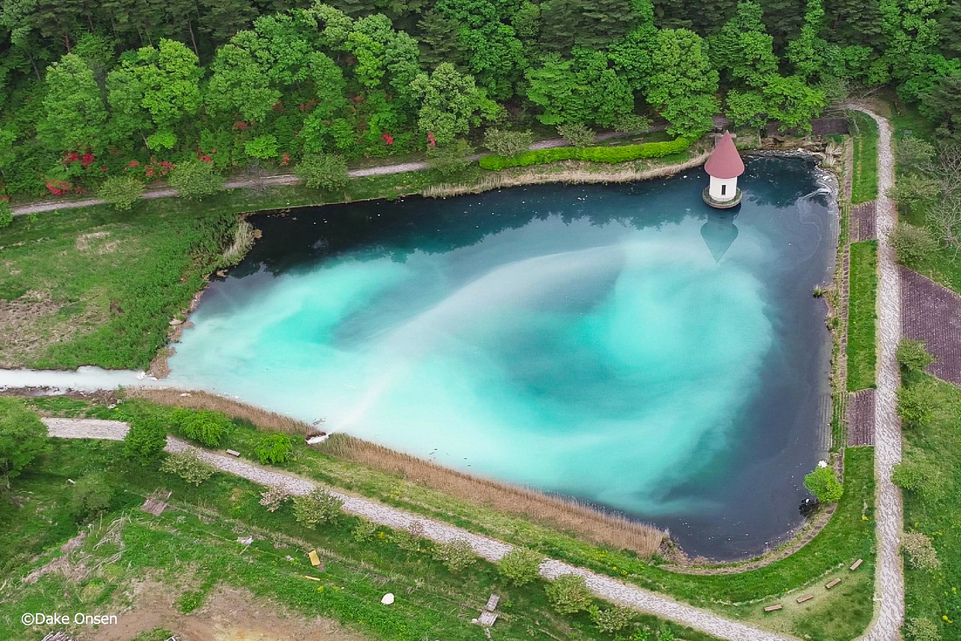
(228, 615)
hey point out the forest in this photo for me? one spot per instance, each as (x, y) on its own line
(132, 89)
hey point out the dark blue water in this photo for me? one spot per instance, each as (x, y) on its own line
(623, 344)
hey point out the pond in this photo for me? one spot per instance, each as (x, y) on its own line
(622, 344)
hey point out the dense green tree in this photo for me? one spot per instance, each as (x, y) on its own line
(239, 85)
(450, 160)
(196, 179)
(943, 105)
(450, 103)
(684, 83)
(120, 191)
(23, 437)
(145, 440)
(853, 22)
(440, 39)
(90, 496)
(75, 116)
(823, 483)
(323, 171)
(742, 51)
(580, 90)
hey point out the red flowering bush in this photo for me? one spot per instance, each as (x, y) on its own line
(87, 160)
(58, 187)
(388, 139)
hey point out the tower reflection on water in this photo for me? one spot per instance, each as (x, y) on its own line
(719, 231)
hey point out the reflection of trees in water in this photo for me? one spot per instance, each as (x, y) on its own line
(395, 229)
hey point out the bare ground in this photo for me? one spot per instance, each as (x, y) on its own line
(228, 615)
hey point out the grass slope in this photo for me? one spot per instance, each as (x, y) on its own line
(192, 549)
(848, 536)
(865, 180)
(862, 315)
(936, 595)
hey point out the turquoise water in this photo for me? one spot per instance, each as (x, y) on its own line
(622, 344)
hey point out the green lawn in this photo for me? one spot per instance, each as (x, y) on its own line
(865, 179)
(935, 594)
(862, 315)
(192, 549)
(848, 536)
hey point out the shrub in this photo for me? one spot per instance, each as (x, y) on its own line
(632, 122)
(915, 153)
(91, 497)
(409, 539)
(521, 566)
(262, 147)
(457, 555)
(568, 594)
(204, 426)
(23, 437)
(507, 143)
(823, 483)
(918, 629)
(323, 171)
(612, 155)
(146, 440)
(920, 551)
(196, 179)
(914, 405)
(364, 530)
(121, 191)
(577, 135)
(320, 506)
(188, 466)
(915, 192)
(915, 473)
(274, 498)
(450, 160)
(911, 244)
(274, 449)
(913, 355)
(6, 214)
(611, 620)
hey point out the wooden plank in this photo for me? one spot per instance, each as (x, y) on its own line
(311, 578)
(832, 583)
(857, 564)
(233, 452)
(314, 559)
(773, 608)
(492, 603)
(805, 597)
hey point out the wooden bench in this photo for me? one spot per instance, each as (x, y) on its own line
(832, 583)
(233, 452)
(805, 597)
(773, 608)
(857, 564)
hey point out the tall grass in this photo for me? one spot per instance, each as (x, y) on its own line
(862, 316)
(865, 185)
(567, 514)
(199, 400)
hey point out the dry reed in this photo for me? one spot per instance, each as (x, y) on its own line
(571, 172)
(243, 240)
(567, 515)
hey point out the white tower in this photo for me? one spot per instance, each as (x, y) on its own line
(724, 166)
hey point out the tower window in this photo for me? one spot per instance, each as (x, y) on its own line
(723, 190)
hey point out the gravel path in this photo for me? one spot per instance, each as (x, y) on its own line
(290, 179)
(889, 588)
(490, 549)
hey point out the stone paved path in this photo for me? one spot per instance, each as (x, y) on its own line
(604, 587)
(932, 313)
(889, 586)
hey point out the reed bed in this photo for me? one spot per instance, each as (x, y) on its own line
(568, 515)
(198, 400)
(243, 240)
(570, 172)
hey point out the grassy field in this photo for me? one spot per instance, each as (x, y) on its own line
(865, 179)
(862, 315)
(192, 551)
(934, 595)
(848, 536)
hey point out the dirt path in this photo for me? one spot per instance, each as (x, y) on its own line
(490, 549)
(290, 179)
(889, 587)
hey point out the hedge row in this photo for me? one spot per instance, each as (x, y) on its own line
(625, 153)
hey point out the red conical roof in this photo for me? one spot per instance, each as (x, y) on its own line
(725, 162)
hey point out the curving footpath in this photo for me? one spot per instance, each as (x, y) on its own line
(889, 583)
(490, 549)
(290, 179)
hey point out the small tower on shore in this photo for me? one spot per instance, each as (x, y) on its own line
(724, 166)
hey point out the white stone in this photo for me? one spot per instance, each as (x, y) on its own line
(388, 598)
